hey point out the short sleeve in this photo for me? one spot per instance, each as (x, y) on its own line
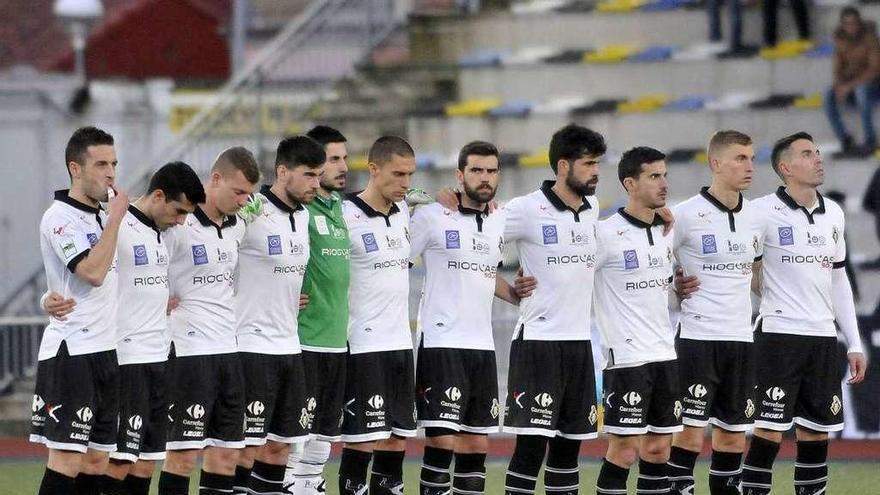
(601, 250)
(840, 242)
(678, 232)
(70, 240)
(515, 221)
(420, 232)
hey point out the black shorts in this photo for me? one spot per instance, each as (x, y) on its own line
(457, 389)
(277, 407)
(206, 402)
(325, 381)
(798, 382)
(143, 412)
(642, 399)
(379, 396)
(76, 401)
(717, 383)
(551, 389)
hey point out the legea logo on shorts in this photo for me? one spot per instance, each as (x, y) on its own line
(709, 246)
(550, 234)
(200, 254)
(786, 236)
(453, 239)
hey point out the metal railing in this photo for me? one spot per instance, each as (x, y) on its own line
(19, 345)
(323, 44)
(294, 71)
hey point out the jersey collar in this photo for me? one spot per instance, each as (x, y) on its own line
(642, 225)
(556, 201)
(369, 211)
(144, 219)
(478, 214)
(791, 203)
(203, 219)
(63, 195)
(731, 220)
(275, 200)
(704, 192)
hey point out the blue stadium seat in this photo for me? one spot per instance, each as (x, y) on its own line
(485, 57)
(512, 108)
(686, 104)
(653, 54)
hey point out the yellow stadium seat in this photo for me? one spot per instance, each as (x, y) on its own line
(611, 6)
(537, 159)
(643, 104)
(809, 101)
(610, 54)
(786, 49)
(472, 108)
(358, 163)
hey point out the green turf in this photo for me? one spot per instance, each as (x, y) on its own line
(851, 478)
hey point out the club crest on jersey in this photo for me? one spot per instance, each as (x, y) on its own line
(630, 259)
(274, 242)
(93, 238)
(709, 245)
(140, 255)
(550, 234)
(786, 236)
(453, 239)
(200, 254)
(370, 244)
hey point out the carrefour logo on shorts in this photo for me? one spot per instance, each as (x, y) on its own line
(200, 255)
(370, 244)
(140, 255)
(630, 259)
(274, 242)
(550, 234)
(709, 246)
(786, 236)
(453, 239)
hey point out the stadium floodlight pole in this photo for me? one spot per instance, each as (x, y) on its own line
(78, 16)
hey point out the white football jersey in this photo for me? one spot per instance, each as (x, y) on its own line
(271, 265)
(633, 274)
(801, 248)
(142, 259)
(201, 274)
(557, 246)
(718, 245)
(378, 295)
(462, 252)
(68, 231)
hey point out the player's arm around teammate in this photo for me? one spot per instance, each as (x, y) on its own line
(273, 255)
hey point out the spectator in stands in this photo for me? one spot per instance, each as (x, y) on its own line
(736, 46)
(856, 71)
(801, 20)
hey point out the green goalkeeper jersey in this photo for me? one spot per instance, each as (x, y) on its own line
(323, 324)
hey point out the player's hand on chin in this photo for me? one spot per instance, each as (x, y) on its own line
(857, 366)
(524, 286)
(685, 285)
(117, 205)
(668, 220)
